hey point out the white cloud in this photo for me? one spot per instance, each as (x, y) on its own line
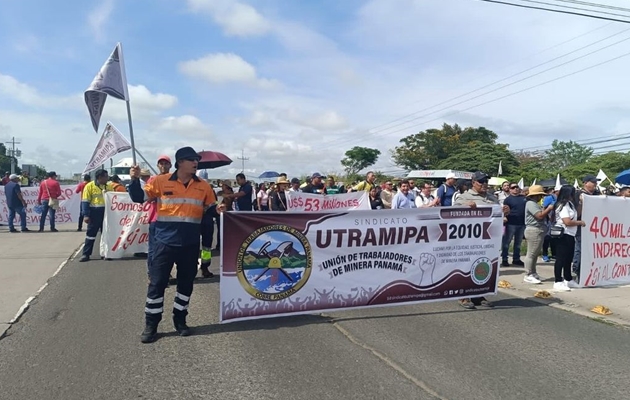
(328, 120)
(221, 68)
(235, 18)
(186, 125)
(97, 18)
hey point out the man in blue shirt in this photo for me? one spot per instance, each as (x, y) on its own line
(15, 203)
(515, 226)
(244, 199)
(444, 195)
(404, 198)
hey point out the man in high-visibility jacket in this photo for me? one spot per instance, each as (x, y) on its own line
(182, 198)
(93, 208)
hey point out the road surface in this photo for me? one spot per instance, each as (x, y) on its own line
(80, 340)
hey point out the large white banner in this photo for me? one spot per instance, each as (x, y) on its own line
(275, 264)
(310, 202)
(125, 227)
(605, 241)
(69, 206)
(111, 143)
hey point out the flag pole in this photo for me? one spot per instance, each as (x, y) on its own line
(148, 163)
(133, 144)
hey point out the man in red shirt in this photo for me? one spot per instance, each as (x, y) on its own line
(49, 193)
(86, 179)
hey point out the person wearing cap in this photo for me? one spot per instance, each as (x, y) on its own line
(316, 185)
(444, 194)
(182, 200)
(387, 195)
(278, 201)
(478, 196)
(79, 190)
(93, 208)
(15, 203)
(49, 193)
(365, 185)
(295, 185)
(116, 185)
(535, 230)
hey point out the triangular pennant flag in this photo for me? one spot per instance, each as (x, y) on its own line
(111, 143)
(521, 184)
(533, 183)
(110, 80)
(500, 171)
(558, 183)
(576, 184)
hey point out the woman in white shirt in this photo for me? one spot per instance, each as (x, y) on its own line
(263, 198)
(566, 218)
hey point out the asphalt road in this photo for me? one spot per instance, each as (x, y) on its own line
(80, 340)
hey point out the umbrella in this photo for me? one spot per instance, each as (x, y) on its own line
(495, 181)
(213, 159)
(623, 178)
(268, 174)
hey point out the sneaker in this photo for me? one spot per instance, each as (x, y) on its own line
(14, 231)
(486, 303)
(546, 258)
(467, 304)
(535, 275)
(571, 284)
(518, 263)
(84, 259)
(532, 279)
(26, 230)
(561, 287)
(54, 230)
(505, 263)
(149, 335)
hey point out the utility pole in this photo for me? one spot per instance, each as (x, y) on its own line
(243, 159)
(13, 153)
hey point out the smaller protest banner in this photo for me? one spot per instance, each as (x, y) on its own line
(309, 202)
(111, 143)
(605, 241)
(125, 227)
(69, 206)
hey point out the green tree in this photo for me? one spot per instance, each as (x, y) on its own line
(482, 157)
(427, 149)
(5, 161)
(358, 158)
(565, 154)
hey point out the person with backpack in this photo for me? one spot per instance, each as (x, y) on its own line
(424, 198)
(444, 195)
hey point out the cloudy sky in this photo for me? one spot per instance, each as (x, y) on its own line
(294, 84)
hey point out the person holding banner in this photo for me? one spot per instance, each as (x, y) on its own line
(93, 209)
(478, 196)
(182, 199)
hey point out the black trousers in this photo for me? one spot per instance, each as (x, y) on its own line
(565, 246)
(97, 214)
(549, 244)
(162, 260)
(80, 220)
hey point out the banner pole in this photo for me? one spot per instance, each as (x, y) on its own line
(145, 160)
(133, 144)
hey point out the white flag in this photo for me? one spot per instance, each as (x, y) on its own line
(521, 184)
(533, 183)
(601, 177)
(500, 171)
(576, 184)
(558, 183)
(110, 80)
(112, 142)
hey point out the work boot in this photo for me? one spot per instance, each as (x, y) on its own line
(205, 272)
(84, 259)
(181, 327)
(149, 335)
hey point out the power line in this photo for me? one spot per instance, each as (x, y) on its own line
(243, 159)
(490, 91)
(504, 67)
(573, 8)
(557, 11)
(586, 3)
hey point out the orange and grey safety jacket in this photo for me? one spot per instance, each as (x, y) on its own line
(180, 207)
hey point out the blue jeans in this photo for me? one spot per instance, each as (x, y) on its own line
(515, 232)
(21, 212)
(47, 211)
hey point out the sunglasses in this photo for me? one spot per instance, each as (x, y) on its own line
(482, 181)
(514, 187)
